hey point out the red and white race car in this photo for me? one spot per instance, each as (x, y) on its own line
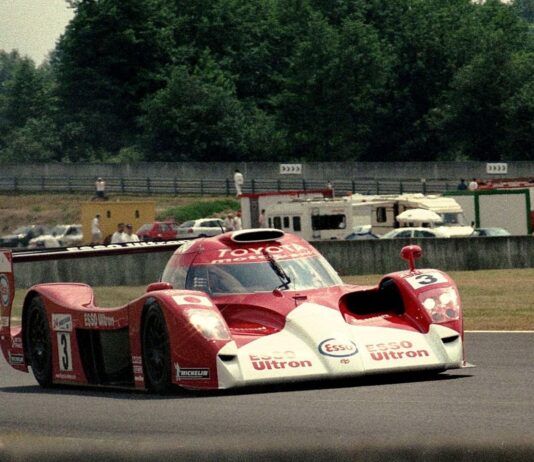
(242, 308)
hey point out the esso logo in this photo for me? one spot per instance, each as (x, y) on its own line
(337, 348)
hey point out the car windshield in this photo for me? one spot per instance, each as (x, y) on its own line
(303, 273)
(57, 230)
(21, 230)
(187, 224)
(144, 228)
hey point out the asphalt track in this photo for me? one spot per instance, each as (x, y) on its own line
(485, 413)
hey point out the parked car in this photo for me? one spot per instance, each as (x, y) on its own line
(21, 236)
(59, 236)
(490, 232)
(415, 232)
(203, 227)
(158, 231)
(361, 232)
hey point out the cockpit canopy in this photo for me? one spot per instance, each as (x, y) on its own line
(223, 266)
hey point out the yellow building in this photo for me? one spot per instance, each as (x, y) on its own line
(111, 213)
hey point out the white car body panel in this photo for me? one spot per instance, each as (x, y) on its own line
(317, 343)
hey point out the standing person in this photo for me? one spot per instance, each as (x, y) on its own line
(119, 236)
(238, 182)
(100, 186)
(473, 185)
(261, 219)
(462, 186)
(237, 222)
(96, 234)
(130, 236)
(229, 222)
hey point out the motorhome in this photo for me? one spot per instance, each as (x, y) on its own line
(323, 219)
(385, 210)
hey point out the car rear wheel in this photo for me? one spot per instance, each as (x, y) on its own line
(156, 354)
(38, 343)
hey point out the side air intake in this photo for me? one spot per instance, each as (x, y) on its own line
(257, 235)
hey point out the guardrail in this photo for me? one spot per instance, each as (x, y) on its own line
(223, 186)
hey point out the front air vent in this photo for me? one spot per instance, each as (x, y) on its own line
(257, 235)
(450, 339)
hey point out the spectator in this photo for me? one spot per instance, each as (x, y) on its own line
(462, 186)
(130, 236)
(100, 186)
(237, 222)
(229, 222)
(330, 186)
(96, 234)
(261, 219)
(238, 182)
(473, 185)
(119, 236)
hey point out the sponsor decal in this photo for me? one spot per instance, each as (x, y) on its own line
(92, 248)
(64, 351)
(395, 350)
(16, 342)
(138, 369)
(62, 322)
(192, 373)
(16, 359)
(337, 348)
(62, 376)
(191, 300)
(137, 360)
(5, 264)
(5, 293)
(139, 378)
(419, 281)
(257, 254)
(278, 360)
(4, 321)
(98, 320)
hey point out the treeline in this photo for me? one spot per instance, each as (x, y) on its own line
(173, 80)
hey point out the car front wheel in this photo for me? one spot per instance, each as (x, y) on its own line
(156, 352)
(38, 343)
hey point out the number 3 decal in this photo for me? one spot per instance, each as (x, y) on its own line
(424, 280)
(64, 351)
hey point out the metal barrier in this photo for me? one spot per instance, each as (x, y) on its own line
(223, 186)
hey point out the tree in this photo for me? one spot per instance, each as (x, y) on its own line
(109, 59)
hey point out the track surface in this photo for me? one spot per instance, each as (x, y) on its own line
(488, 406)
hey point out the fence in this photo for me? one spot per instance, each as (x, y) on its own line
(224, 186)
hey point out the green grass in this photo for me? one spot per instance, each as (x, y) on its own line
(492, 299)
(199, 209)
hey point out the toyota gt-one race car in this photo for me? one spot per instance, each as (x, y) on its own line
(238, 309)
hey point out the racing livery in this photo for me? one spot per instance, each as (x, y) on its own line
(249, 307)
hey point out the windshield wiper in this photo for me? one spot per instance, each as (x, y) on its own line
(286, 280)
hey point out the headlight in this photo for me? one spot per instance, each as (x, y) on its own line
(209, 324)
(441, 304)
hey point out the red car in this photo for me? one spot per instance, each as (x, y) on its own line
(158, 231)
(242, 308)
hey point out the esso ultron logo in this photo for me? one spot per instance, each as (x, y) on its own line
(337, 348)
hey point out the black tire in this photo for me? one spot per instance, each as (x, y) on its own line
(156, 352)
(38, 342)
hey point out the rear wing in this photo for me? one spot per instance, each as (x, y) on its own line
(60, 253)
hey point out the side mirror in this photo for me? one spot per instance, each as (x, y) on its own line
(158, 286)
(410, 253)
